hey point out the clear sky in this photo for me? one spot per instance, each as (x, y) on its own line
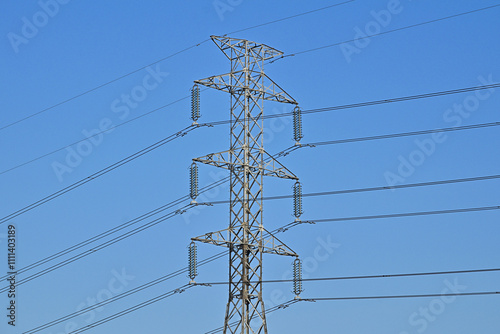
(53, 51)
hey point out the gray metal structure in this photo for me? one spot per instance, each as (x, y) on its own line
(248, 163)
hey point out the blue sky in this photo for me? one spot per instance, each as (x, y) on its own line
(80, 45)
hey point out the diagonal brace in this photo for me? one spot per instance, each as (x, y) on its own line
(269, 244)
(234, 83)
(270, 167)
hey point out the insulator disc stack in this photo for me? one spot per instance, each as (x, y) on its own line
(297, 277)
(193, 181)
(297, 200)
(297, 124)
(193, 261)
(195, 103)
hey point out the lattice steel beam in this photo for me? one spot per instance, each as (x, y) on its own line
(248, 163)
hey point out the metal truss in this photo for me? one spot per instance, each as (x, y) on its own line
(270, 167)
(248, 163)
(269, 244)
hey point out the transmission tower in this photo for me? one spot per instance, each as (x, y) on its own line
(248, 163)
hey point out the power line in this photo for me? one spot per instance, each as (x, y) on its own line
(213, 185)
(270, 310)
(409, 214)
(310, 111)
(122, 226)
(290, 17)
(157, 299)
(393, 275)
(391, 31)
(219, 255)
(360, 190)
(405, 296)
(342, 278)
(282, 229)
(395, 215)
(405, 134)
(128, 293)
(220, 182)
(293, 301)
(192, 127)
(100, 247)
(100, 173)
(106, 233)
(158, 61)
(376, 102)
(144, 286)
(313, 194)
(91, 326)
(121, 295)
(77, 184)
(100, 86)
(402, 99)
(110, 231)
(280, 115)
(401, 186)
(94, 135)
(133, 308)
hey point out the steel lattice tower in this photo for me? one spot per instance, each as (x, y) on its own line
(248, 163)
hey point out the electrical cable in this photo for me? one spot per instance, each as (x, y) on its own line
(113, 230)
(100, 173)
(343, 298)
(406, 296)
(343, 278)
(71, 187)
(409, 214)
(282, 229)
(293, 301)
(389, 31)
(99, 247)
(290, 17)
(120, 296)
(360, 190)
(341, 107)
(133, 291)
(219, 255)
(109, 232)
(292, 148)
(220, 182)
(373, 103)
(100, 86)
(270, 310)
(405, 134)
(94, 135)
(158, 61)
(133, 308)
